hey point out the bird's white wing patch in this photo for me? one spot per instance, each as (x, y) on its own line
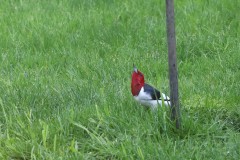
(166, 100)
(165, 97)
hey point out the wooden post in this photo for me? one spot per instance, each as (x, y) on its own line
(172, 63)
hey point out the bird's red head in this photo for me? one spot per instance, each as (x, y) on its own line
(137, 81)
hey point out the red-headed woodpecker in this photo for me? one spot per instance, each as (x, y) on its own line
(146, 94)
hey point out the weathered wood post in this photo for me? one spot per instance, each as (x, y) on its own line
(172, 63)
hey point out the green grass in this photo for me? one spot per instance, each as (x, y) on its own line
(65, 79)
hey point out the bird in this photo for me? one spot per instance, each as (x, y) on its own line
(146, 94)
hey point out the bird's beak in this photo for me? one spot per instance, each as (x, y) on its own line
(135, 68)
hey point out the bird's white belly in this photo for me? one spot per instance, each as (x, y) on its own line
(146, 100)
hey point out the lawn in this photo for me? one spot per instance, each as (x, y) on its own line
(65, 73)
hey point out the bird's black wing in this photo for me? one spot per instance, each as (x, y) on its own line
(155, 94)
